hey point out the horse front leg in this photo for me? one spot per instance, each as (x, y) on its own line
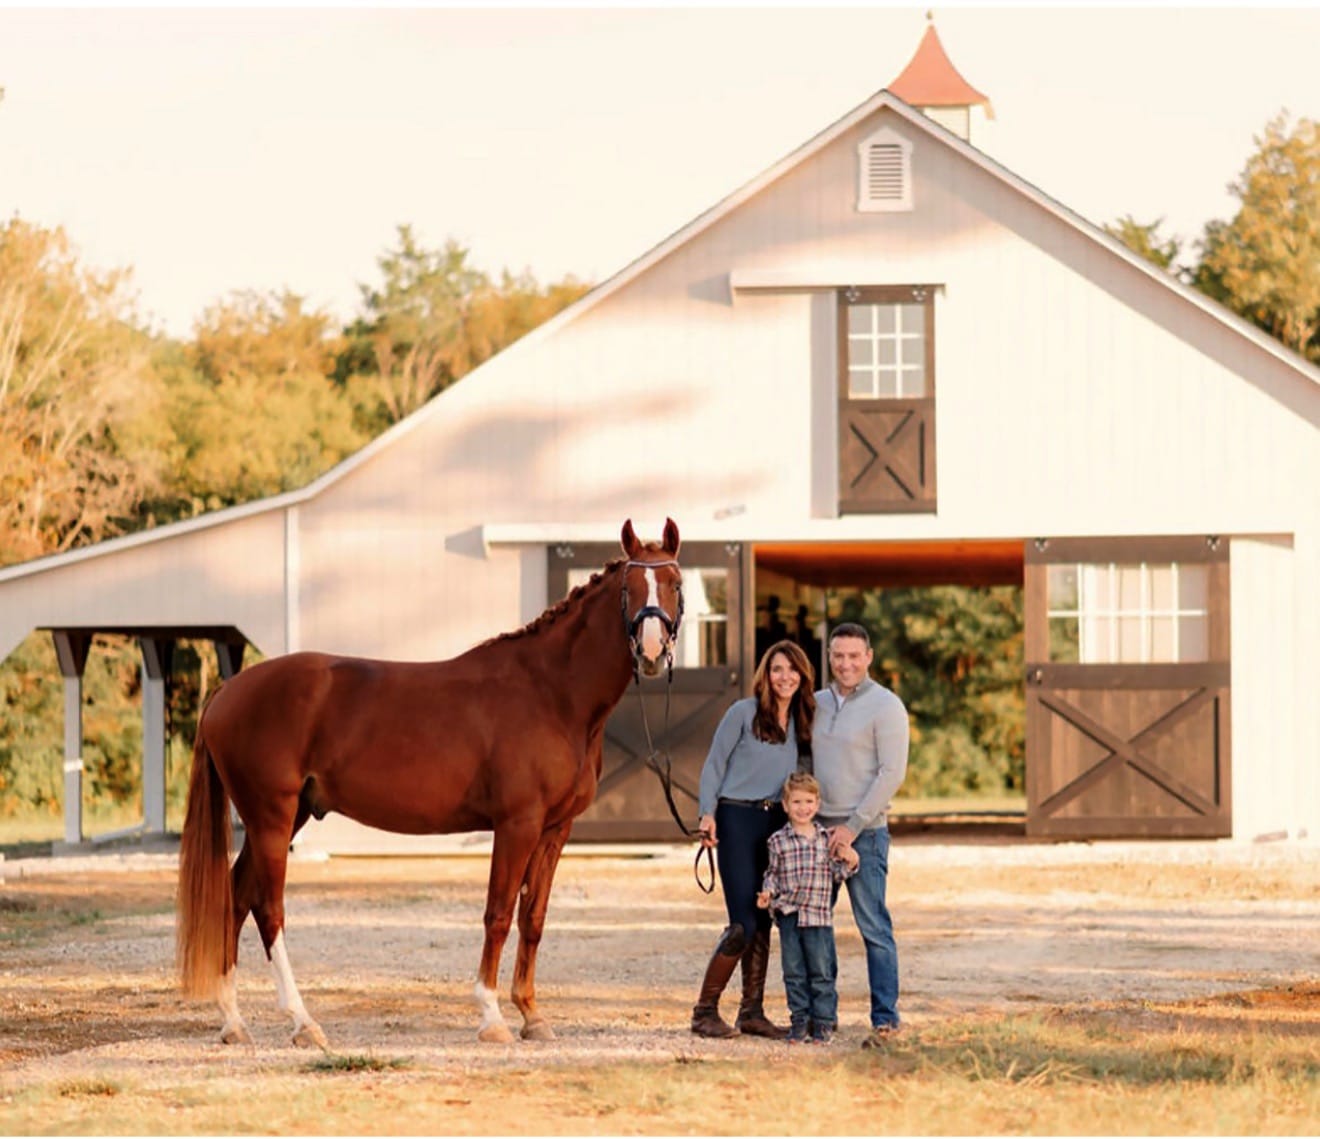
(508, 866)
(532, 905)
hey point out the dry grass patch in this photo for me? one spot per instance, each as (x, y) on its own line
(1071, 1071)
(1053, 996)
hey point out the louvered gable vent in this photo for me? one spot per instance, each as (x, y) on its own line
(884, 173)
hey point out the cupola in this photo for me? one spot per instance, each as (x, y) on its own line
(933, 85)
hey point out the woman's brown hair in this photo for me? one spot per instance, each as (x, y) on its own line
(765, 725)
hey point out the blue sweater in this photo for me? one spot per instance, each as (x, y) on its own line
(739, 766)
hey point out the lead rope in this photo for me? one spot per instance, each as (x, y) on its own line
(662, 765)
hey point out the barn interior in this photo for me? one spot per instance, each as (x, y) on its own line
(799, 588)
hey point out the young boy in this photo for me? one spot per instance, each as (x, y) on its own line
(797, 890)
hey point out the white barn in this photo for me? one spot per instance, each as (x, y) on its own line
(887, 358)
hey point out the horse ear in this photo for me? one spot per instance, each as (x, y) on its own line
(631, 546)
(671, 537)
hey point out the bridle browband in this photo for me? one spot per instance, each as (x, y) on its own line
(656, 760)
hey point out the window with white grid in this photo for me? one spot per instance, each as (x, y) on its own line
(1147, 613)
(886, 351)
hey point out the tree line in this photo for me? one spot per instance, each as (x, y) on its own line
(108, 428)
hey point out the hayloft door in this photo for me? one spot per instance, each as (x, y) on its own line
(708, 677)
(1127, 687)
(887, 400)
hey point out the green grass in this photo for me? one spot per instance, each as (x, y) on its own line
(91, 1086)
(356, 1062)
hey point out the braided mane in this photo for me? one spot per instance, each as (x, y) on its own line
(556, 611)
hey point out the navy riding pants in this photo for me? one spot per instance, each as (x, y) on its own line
(742, 856)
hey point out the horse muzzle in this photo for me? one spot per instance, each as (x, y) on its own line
(652, 635)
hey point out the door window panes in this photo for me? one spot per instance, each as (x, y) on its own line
(886, 351)
(1128, 614)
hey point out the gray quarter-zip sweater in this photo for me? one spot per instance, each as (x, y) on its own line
(739, 766)
(859, 747)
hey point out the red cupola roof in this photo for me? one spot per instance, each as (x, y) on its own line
(930, 80)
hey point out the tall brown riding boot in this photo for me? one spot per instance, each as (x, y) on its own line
(706, 1019)
(752, 1020)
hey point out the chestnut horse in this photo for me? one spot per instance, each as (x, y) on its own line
(506, 737)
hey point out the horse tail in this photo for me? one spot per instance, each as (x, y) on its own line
(205, 930)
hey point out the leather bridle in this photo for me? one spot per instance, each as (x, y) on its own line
(659, 761)
(633, 624)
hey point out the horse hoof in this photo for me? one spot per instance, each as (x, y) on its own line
(537, 1030)
(235, 1034)
(495, 1034)
(310, 1036)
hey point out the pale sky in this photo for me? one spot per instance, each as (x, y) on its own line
(214, 150)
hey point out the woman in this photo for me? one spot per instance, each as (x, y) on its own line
(759, 744)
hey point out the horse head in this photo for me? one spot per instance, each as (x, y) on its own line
(652, 598)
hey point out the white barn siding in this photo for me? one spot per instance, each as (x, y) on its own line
(1076, 395)
(1265, 735)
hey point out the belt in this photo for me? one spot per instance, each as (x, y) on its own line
(760, 804)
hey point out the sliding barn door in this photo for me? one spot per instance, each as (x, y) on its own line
(1127, 687)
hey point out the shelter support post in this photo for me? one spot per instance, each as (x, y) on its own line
(157, 658)
(71, 651)
(229, 657)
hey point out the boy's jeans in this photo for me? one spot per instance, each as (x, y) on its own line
(811, 970)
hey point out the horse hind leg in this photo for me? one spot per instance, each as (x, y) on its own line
(534, 899)
(234, 1030)
(273, 853)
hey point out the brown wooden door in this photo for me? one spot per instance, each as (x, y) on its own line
(887, 400)
(707, 678)
(1127, 687)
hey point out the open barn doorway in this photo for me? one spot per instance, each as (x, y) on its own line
(946, 621)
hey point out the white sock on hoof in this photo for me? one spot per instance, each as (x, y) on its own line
(489, 1004)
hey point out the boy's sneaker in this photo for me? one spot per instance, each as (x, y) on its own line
(879, 1037)
(822, 1034)
(797, 1034)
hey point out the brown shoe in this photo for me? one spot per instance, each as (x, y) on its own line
(707, 1022)
(881, 1036)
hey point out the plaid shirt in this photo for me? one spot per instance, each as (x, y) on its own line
(802, 874)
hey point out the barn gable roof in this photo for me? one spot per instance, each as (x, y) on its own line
(884, 100)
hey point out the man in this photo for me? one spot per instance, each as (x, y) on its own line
(860, 751)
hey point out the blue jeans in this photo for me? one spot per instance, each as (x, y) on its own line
(811, 970)
(866, 890)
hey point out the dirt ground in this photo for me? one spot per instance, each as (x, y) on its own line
(385, 952)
